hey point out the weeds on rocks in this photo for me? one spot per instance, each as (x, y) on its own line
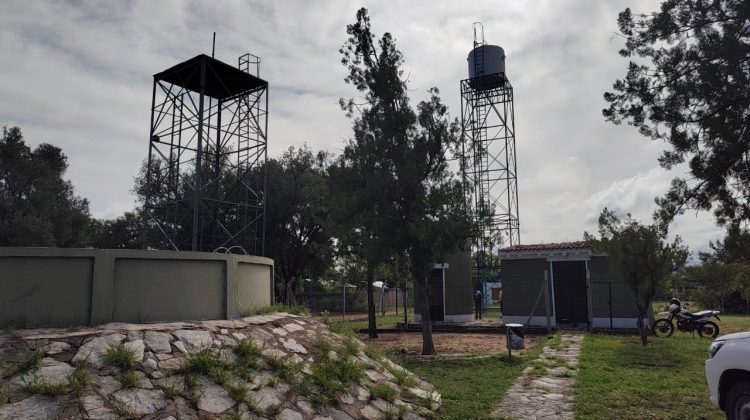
(238, 391)
(79, 379)
(129, 379)
(171, 390)
(323, 346)
(320, 400)
(403, 377)
(193, 387)
(249, 354)
(394, 412)
(119, 408)
(207, 362)
(335, 376)
(350, 347)
(30, 363)
(37, 385)
(120, 357)
(381, 390)
(373, 352)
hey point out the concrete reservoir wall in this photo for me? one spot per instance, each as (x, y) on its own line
(58, 287)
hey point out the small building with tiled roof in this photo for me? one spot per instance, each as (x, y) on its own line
(579, 285)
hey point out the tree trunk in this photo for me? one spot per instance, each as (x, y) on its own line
(428, 347)
(642, 310)
(372, 327)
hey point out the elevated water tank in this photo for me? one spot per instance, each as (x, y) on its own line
(485, 60)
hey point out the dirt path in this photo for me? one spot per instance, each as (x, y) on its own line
(545, 389)
(447, 343)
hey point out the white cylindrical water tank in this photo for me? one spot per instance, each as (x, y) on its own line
(485, 60)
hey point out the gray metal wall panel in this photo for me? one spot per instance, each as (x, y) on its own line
(168, 290)
(45, 291)
(458, 293)
(61, 287)
(253, 287)
(623, 297)
(522, 280)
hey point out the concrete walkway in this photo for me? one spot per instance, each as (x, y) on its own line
(545, 388)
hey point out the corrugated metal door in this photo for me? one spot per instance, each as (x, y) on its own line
(436, 295)
(571, 303)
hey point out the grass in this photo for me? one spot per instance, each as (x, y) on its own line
(249, 357)
(37, 385)
(538, 368)
(334, 376)
(30, 363)
(353, 326)
(129, 379)
(193, 387)
(172, 389)
(471, 387)
(350, 347)
(403, 377)
(78, 380)
(381, 390)
(293, 309)
(119, 408)
(207, 362)
(119, 357)
(666, 379)
(373, 352)
(238, 392)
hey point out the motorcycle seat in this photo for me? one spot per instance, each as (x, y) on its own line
(700, 314)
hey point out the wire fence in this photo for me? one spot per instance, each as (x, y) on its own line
(353, 300)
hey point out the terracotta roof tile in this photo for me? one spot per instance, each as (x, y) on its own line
(547, 247)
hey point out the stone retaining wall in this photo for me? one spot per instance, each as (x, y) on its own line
(203, 370)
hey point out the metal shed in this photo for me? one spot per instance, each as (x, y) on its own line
(451, 291)
(581, 290)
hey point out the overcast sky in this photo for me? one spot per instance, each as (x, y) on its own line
(78, 74)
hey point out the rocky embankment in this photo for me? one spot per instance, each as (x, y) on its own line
(279, 366)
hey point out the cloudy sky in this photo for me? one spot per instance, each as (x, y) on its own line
(78, 74)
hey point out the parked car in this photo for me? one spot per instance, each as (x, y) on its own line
(728, 374)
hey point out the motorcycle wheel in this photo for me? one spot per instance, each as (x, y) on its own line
(663, 328)
(708, 330)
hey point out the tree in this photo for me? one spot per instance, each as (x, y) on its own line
(718, 281)
(728, 262)
(687, 85)
(298, 236)
(641, 255)
(403, 200)
(37, 206)
(124, 232)
(734, 248)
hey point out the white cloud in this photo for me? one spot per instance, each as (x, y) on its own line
(78, 74)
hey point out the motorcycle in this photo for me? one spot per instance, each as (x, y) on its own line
(686, 321)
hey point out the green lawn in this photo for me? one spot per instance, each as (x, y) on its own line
(618, 378)
(470, 387)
